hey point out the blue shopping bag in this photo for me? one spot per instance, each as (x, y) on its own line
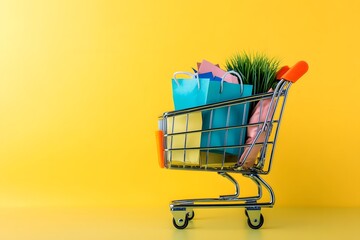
(210, 76)
(195, 91)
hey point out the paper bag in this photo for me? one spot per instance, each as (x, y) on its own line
(178, 124)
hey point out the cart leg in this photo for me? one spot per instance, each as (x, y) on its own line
(237, 189)
(255, 218)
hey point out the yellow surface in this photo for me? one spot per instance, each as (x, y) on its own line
(154, 223)
(82, 84)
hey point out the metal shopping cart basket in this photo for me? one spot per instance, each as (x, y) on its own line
(218, 159)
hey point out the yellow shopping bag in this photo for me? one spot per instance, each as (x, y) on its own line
(182, 124)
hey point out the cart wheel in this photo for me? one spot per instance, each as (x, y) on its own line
(190, 215)
(181, 223)
(260, 223)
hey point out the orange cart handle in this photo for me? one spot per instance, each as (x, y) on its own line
(281, 72)
(160, 147)
(296, 71)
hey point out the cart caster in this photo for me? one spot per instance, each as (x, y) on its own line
(182, 216)
(181, 223)
(255, 218)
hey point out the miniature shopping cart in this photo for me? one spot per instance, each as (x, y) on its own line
(194, 155)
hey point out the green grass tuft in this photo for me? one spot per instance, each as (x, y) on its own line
(255, 69)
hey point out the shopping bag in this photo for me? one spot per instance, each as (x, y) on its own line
(182, 124)
(262, 109)
(196, 91)
(206, 67)
(259, 113)
(189, 92)
(226, 117)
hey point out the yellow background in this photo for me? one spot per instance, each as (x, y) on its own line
(83, 82)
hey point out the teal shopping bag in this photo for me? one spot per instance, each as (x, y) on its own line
(226, 117)
(194, 91)
(190, 92)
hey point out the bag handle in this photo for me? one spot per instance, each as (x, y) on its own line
(192, 75)
(240, 81)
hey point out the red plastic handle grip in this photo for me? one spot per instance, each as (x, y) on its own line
(281, 72)
(296, 71)
(160, 147)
